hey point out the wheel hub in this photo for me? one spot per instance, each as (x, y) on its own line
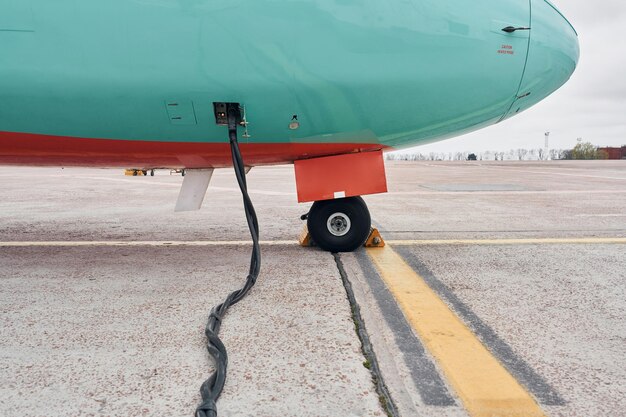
(339, 224)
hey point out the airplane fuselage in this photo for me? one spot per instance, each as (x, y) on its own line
(122, 83)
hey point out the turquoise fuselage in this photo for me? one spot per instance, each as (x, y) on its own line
(385, 74)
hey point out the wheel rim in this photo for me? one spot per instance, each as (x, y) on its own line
(339, 224)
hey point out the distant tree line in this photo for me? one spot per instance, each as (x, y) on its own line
(580, 151)
(586, 150)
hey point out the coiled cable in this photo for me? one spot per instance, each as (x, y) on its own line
(213, 386)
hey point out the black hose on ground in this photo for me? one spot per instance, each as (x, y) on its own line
(212, 387)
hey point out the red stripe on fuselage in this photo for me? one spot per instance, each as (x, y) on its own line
(45, 150)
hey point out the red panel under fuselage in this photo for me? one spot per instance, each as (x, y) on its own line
(340, 176)
(44, 150)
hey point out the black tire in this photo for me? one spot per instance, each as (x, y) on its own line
(152, 173)
(182, 173)
(352, 236)
(134, 173)
(145, 173)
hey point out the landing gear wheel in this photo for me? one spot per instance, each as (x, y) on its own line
(339, 225)
(152, 173)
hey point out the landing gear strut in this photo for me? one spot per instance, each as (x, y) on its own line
(340, 225)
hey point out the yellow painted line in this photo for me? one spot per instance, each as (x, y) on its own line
(422, 242)
(485, 387)
(538, 241)
(144, 243)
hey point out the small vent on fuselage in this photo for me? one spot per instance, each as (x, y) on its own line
(181, 112)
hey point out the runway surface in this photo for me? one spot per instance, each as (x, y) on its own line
(501, 292)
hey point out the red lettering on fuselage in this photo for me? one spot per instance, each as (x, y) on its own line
(506, 50)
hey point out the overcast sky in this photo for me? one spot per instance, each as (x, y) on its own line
(592, 105)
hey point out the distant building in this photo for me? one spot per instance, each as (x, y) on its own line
(615, 153)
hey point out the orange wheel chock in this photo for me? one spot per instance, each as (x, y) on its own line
(305, 238)
(374, 240)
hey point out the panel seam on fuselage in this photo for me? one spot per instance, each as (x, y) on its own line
(521, 80)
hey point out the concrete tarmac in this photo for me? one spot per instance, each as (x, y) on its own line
(118, 330)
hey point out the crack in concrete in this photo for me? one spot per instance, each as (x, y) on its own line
(371, 362)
